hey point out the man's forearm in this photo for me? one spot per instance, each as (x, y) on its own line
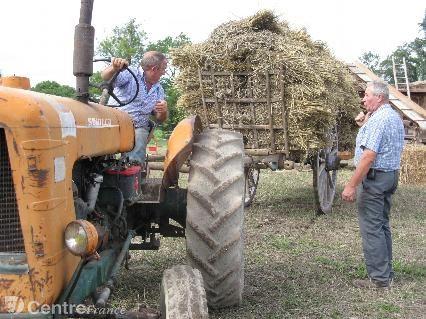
(367, 159)
(108, 73)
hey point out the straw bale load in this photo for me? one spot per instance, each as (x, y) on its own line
(316, 90)
(413, 165)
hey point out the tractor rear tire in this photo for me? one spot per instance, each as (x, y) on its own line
(215, 215)
(182, 294)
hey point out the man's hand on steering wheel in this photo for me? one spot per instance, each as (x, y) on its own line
(109, 75)
(118, 64)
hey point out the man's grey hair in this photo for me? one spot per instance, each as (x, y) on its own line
(152, 58)
(379, 88)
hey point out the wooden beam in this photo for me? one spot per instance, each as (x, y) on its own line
(247, 127)
(253, 112)
(234, 73)
(216, 103)
(285, 112)
(200, 78)
(270, 113)
(244, 100)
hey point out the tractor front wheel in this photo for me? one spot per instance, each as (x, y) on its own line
(215, 215)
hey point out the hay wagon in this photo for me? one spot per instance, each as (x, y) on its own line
(254, 105)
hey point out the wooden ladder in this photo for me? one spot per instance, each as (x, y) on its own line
(400, 76)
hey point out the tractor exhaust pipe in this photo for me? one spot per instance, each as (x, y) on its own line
(84, 38)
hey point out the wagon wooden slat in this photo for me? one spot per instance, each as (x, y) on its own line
(235, 106)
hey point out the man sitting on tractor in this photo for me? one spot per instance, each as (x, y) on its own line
(150, 99)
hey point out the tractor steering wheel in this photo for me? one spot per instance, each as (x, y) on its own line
(109, 85)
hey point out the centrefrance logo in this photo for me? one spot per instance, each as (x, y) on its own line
(13, 304)
(16, 305)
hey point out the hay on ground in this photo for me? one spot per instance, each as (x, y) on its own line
(413, 165)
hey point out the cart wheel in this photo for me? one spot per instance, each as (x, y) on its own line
(251, 180)
(325, 165)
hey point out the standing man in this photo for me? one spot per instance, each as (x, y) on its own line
(379, 145)
(150, 99)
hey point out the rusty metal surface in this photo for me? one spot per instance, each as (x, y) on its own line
(45, 135)
(179, 147)
(18, 82)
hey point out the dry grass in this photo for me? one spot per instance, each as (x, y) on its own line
(316, 89)
(413, 165)
(302, 266)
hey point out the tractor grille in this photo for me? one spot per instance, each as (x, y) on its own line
(11, 240)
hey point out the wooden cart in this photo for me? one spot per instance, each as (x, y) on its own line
(254, 105)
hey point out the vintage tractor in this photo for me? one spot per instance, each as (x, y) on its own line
(70, 208)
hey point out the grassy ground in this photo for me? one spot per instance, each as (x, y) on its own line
(302, 266)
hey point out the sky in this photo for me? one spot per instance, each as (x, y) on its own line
(36, 37)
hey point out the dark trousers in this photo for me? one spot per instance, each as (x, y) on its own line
(374, 203)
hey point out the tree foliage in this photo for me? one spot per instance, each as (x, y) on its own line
(127, 41)
(414, 53)
(95, 79)
(167, 43)
(54, 88)
(372, 60)
(176, 114)
(415, 58)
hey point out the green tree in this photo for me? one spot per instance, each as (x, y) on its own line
(54, 88)
(371, 60)
(127, 41)
(415, 57)
(95, 79)
(418, 51)
(414, 53)
(168, 43)
(175, 114)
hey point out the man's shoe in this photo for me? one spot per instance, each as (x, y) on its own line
(370, 284)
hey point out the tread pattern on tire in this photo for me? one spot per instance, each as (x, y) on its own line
(215, 215)
(182, 294)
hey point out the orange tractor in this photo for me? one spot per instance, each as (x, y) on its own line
(70, 207)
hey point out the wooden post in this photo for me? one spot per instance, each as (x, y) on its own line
(216, 102)
(231, 78)
(285, 113)
(269, 105)
(200, 78)
(253, 112)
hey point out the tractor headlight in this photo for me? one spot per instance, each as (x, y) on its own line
(81, 237)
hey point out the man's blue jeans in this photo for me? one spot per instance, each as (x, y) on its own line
(141, 140)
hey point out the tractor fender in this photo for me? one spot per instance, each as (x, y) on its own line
(179, 147)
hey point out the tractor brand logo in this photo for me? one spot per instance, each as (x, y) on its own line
(94, 121)
(13, 304)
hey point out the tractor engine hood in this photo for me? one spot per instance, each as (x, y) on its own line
(87, 129)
